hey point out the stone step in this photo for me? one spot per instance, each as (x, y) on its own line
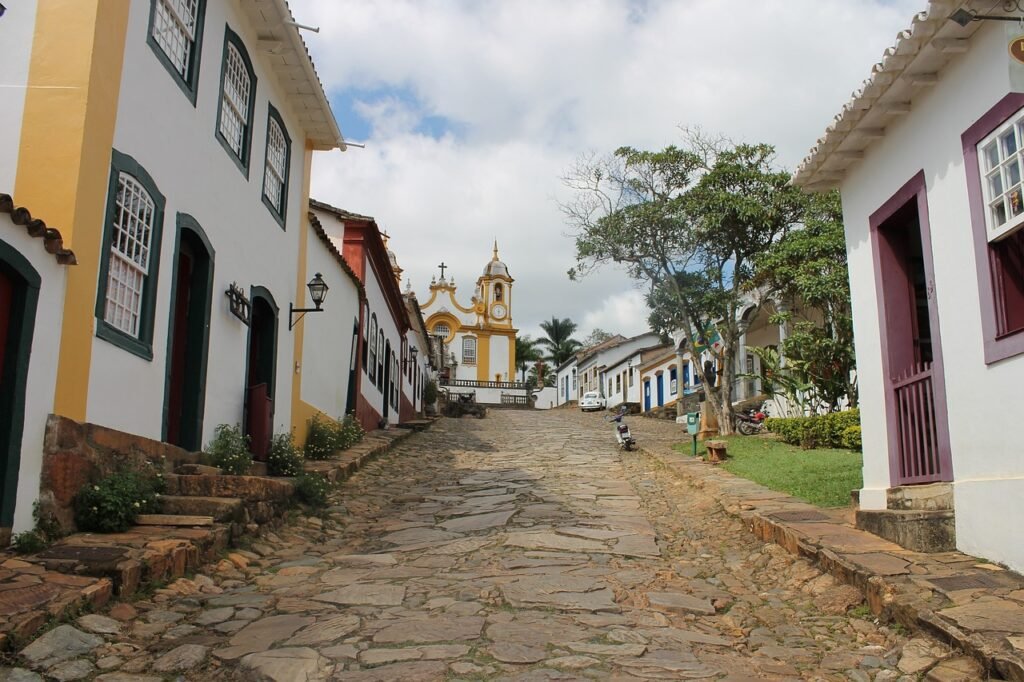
(927, 497)
(248, 488)
(220, 508)
(919, 531)
(173, 520)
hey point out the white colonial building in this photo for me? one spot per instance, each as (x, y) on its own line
(928, 158)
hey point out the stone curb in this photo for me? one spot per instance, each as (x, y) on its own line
(891, 598)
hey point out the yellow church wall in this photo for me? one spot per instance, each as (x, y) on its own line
(483, 356)
(67, 133)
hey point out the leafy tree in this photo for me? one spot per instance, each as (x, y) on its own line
(595, 337)
(689, 223)
(558, 340)
(808, 266)
(526, 354)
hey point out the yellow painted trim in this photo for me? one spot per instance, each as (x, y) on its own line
(454, 325)
(302, 413)
(299, 417)
(512, 358)
(74, 84)
(451, 295)
(483, 357)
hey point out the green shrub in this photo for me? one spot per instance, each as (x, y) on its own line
(284, 459)
(321, 439)
(312, 489)
(326, 436)
(430, 392)
(350, 432)
(824, 431)
(28, 542)
(113, 504)
(851, 438)
(229, 450)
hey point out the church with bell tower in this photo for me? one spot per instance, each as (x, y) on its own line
(478, 336)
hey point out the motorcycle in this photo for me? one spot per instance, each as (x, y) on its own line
(622, 434)
(751, 422)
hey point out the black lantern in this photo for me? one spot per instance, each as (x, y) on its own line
(413, 352)
(317, 292)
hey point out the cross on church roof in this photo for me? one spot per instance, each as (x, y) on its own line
(442, 266)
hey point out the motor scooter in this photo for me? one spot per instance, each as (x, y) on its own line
(622, 434)
(751, 422)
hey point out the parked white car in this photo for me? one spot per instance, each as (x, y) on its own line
(591, 401)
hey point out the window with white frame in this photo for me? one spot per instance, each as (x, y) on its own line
(238, 93)
(442, 330)
(1001, 161)
(275, 171)
(175, 33)
(373, 348)
(469, 351)
(134, 214)
(128, 276)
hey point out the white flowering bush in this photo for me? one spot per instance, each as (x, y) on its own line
(327, 436)
(285, 458)
(229, 450)
(112, 504)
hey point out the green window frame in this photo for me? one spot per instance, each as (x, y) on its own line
(276, 165)
(236, 118)
(165, 19)
(141, 343)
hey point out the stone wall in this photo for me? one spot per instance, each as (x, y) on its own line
(76, 454)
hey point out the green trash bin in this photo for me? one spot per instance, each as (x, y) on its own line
(692, 427)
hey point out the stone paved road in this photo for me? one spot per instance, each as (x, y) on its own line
(519, 547)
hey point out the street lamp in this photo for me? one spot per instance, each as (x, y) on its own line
(317, 292)
(412, 352)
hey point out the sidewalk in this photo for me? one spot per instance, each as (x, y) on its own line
(963, 601)
(83, 571)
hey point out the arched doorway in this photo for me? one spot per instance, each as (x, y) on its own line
(188, 336)
(261, 371)
(19, 295)
(386, 390)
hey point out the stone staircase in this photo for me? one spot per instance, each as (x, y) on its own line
(919, 518)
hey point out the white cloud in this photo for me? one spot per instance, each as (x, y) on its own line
(531, 84)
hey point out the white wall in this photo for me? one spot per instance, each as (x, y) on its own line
(176, 144)
(499, 358)
(386, 323)
(42, 370)
(567, 373)
(546, 398)
(664, 366)
(327, 336)
(16, 30)
(982, 400)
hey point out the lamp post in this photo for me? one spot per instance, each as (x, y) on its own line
(413, 352)
(317, 292)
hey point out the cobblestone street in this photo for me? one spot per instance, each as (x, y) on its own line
(523, 546)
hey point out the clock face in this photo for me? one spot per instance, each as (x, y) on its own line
(498, 310)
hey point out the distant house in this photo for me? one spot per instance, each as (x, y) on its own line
(385, 321)
(928, 159)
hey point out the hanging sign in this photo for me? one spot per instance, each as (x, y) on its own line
(1017, 48)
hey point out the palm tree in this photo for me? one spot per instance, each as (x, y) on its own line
(559, 342)
(526, 353)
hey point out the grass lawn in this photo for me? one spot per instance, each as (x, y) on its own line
(823, 477)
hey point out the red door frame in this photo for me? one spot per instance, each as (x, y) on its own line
(914, 190)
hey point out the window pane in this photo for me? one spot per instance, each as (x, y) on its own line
(1015, 199)
(991, 154)
(274, 172)
(1013, 172)
(1008, 272)
(998, 213)
(174, 25)
(995, 184)
(234, 111)
(1008, 142)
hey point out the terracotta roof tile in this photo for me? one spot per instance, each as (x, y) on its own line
(53, 242)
